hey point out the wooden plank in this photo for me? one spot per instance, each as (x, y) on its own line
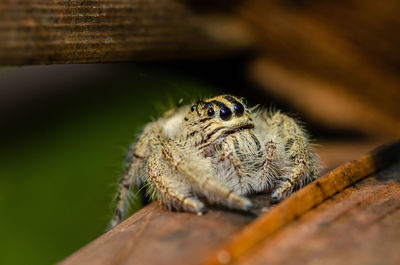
(156, 236)
(360, 225)
(80, 31)
(304, 200)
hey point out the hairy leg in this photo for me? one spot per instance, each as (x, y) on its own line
(198, 171)
(270, 168)
(304, 166)
(174, 190)
(149, 140)
(234, 161)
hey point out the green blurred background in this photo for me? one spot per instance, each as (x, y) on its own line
(61, 153)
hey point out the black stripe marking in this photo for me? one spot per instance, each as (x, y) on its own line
(236, 146)
(205, 119)
(209, 124)
(289, 144)
(190, 135)
(235, 143)
(208, 137)
(232, 99)
(218, 103)
(255, 140)
(214, 132)
(207, 105)
(199, 102)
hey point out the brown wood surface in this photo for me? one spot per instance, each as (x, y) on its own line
(360, 225)
(80, 31)
(305, 199)
(156, 236)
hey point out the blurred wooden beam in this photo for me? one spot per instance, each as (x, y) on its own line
(325, 103)
(81, 31)
(345, 53)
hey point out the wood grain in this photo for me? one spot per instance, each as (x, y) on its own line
(156, 236)
(304, 200)
(359, 225)
(81, 31)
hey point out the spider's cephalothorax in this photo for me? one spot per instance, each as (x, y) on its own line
(217, 151)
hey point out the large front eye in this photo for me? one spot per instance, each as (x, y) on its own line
(225, 113)
(239, 109)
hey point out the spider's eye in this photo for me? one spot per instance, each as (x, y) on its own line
(192, 108)
(225, 113)
(239, 109)
(210, 112)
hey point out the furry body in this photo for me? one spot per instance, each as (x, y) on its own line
(217, 151)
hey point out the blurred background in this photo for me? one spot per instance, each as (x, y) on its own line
(78, 84)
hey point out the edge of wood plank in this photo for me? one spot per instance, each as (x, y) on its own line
(303, 200)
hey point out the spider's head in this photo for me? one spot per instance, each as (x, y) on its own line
(223, 114)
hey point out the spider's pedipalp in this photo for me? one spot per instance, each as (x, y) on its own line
(174, 191)
(198, 171)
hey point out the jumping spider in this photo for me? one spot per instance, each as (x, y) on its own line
(217, 151)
